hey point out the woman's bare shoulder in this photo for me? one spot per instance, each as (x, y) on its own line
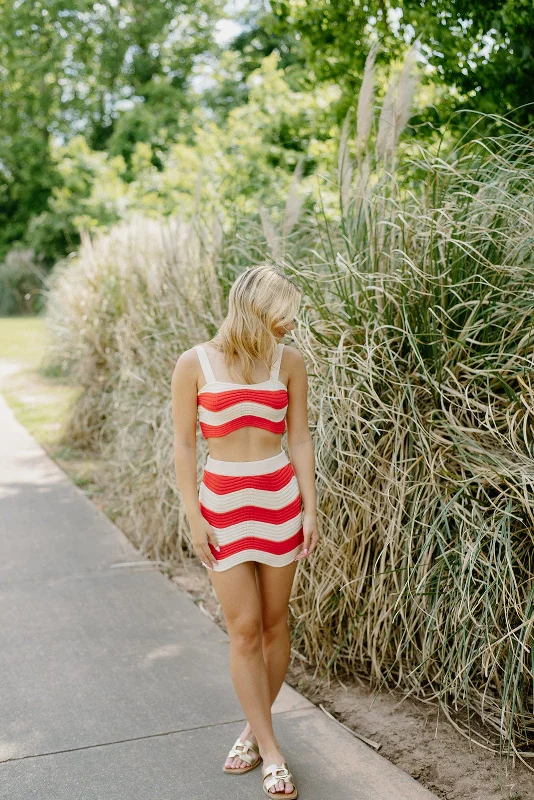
(293, 354)
(292, 360)
(187, 364)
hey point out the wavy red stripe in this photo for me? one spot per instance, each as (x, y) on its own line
(209, 431)
(218, 401)
(257, 543)
(275, 516)
(269, 482)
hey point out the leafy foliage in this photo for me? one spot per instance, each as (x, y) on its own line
(23, 283)
(239, 165)
(140, 78)
(79, 68)
(478, 54)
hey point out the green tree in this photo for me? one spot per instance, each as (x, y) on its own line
(82, 67)
(479, 54)
(30, 95)
(260, 36)
(483, 51)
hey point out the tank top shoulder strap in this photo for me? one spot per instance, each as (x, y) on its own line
(275, 369)
(205, 363)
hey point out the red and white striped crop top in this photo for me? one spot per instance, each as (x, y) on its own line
(224, 407)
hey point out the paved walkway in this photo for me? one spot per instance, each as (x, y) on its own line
(114, 685)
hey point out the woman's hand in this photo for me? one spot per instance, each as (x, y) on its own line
(201, 535)
(310, 528)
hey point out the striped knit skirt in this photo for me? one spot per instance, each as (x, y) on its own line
(254, 508)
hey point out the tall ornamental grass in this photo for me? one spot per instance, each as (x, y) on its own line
(417, 329)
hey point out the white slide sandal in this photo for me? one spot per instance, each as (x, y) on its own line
(272, 775)
(244, 750)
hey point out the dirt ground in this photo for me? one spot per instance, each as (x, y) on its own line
(411, 734)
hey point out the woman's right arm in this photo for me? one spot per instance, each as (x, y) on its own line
(184, 416)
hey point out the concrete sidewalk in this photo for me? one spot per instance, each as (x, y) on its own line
(114, 685)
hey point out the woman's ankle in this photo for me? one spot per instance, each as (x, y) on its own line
(248, 733)
(271, 754)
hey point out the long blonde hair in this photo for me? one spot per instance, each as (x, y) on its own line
(261, 299)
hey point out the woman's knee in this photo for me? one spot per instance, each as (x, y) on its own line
(275, 627)
(246, 633)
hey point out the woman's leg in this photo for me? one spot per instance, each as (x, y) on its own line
(274, 589)
(274, 585)
(237, 591)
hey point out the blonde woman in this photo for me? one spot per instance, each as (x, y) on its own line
(254, 516)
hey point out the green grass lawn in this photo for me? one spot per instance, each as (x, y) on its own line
(23, 339)
(40, 400)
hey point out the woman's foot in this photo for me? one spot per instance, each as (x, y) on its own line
(234, 762)
(276, 757)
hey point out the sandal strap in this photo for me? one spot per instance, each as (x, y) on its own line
(242, 749)
(275, 773)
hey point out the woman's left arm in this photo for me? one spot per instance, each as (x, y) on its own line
(300, 447)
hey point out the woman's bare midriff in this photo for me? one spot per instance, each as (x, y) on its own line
(245, 444)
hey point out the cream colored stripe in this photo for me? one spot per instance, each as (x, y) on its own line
(235, 468)
(216, 387)
(264, 530)
(257, 555)
(242, 409)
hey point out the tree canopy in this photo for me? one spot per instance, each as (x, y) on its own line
(156, 73)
